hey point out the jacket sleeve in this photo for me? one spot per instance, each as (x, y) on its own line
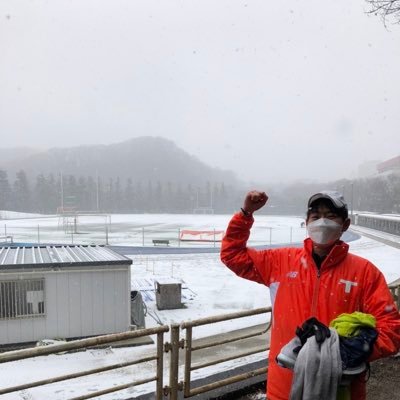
(243, 261)
(379, 302)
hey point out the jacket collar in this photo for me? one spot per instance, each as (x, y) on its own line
(337, 254)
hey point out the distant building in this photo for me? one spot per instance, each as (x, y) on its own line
(49, 292)
(391, 166)
(368, 169)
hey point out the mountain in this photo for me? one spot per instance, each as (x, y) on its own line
(142, 159)
(15, 154)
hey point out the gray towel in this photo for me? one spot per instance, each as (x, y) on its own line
(318, 370)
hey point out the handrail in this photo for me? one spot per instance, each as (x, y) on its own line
(235, 339)
(176, 344)
(90, 342)
(228, 381)
(224, 317)
(189, 349)
(78, 344)
(75, 375)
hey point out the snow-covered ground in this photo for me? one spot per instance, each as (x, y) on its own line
(209, 288)
(141, 229)
(5, 214)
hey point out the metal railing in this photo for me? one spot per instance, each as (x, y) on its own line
(114, 234)
(174, 348)
(190, 348)
(85, 343)
(7, 239)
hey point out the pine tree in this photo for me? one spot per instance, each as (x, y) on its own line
(129, 197)
(22, 192)
(5, 191)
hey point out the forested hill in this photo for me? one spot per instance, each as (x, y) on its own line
(9, 155)
(145, 174)
(140, 159)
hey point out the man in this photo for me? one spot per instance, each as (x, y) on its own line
(320, 280)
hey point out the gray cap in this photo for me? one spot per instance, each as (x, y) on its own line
(336, 198)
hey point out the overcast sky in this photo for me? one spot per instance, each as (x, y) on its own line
(281, 90)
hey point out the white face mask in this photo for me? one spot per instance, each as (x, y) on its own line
(324, 231)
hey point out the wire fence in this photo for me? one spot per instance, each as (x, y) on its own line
(130, 235)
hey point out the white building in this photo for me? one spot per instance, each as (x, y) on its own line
(368, 169)
(391, 166)
(62, 292)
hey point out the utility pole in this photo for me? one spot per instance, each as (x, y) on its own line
(97, 190)
(62, 192)
(352, 198)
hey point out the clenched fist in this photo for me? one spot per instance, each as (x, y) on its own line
(254, 201)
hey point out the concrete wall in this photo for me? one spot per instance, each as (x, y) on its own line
(80, 302)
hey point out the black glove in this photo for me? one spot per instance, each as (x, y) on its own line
(357, 349)
(312, 327)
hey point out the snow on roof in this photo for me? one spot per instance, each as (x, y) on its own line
(168, 281)
(57, 255)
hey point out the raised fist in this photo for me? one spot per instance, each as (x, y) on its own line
(254, 201)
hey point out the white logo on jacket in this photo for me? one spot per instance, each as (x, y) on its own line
(348, 285)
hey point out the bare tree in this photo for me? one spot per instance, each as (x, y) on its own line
(386, 9)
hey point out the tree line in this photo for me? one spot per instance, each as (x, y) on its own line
(380, 194)
(46, 194)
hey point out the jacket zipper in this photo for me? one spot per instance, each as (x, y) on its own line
(315, 295)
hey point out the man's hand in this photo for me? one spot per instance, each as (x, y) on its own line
(313, 327)
(254, 201)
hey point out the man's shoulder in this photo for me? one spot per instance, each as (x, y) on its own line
(360, 262)
(357, 259)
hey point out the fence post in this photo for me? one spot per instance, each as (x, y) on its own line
(160, 364)
(143, 236)
(270, 236)
(179, 237)
(174, 362)
(5, 230)
(291, 234)
(188, 361)
(106, 234)
(214, 237)
(38, 234)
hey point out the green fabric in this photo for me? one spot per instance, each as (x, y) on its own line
(348, 325)
(343, 393)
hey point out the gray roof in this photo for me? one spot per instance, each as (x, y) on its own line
(60, 256)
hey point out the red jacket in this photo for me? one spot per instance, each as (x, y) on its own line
(345, 283)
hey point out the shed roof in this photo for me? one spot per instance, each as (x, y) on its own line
(12, 257)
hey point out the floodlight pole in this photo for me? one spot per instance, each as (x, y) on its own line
(352, 198)
(62, 192)
(97, 190)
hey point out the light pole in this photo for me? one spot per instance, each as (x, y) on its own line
(62, 191)
(352, 198)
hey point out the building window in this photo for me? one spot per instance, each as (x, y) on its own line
(22, 298)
